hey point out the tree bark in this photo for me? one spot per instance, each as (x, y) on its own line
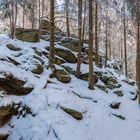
(106, 42)
(96, 33)
(79, 37)
(67, 18)
(84, 22)
(125, 44)
(91, 78)
(52, 48)
(138, 51)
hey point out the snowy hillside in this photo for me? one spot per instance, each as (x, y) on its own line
(39, 106)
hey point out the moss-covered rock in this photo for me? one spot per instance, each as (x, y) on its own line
(62, 76)
(75, 114)
(69, 69)
(45, 27)
(38, 69)
(13, 85)
(59, 60)
(119, 93)
(85, 77)
(29, 35)
(70, 43)
(130, 82)
(102, 87)
(12, 47)
(6, 113)
(4, 136)
(66, 55)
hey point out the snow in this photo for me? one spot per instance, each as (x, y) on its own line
(50, 121)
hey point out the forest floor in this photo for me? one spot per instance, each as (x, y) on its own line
(106, 113)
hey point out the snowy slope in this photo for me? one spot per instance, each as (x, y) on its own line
(50, 121)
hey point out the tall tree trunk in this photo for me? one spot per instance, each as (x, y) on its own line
(43, 7)
(84, 22)
(33, 14)
(91, 78)
(23, 22)
(106, 42)
(96, 33)
(79, 37)
(12, 21)
(67, 18)
(16, 12)
(125, 44)
(39, 10)
(52, 49)
(109, 41)
(138, 49)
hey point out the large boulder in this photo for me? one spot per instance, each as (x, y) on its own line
(13, 85)
(66, 55)
(29, 35)
(84, 77)
(70, 43)
(45, 27)
(61, 75)
(59, 60)
(69, 69)
(6, 113)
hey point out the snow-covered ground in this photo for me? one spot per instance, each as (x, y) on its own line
(50, 121)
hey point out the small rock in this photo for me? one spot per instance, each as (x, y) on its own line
(12, 47)
(75, 114)
(13, 61)
(119, 116)
(119, 93)
(115, 105)
(38, 69)
(102, 87)
(4, 136)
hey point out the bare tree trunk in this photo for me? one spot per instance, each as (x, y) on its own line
(33, 14)
(91, 78)
(23, 21)
(43, 7)
(106, 44)
(16, 12)
(138, 50)
(125, 45)
(96, 33)
(52, 48)
(84, 22)
(109, 41)
(67, 18)
(12, 21)
(79, 37)
(39, 4)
